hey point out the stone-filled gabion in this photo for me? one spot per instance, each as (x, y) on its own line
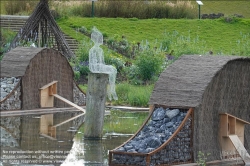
(7, 139)
(161, 126)
(12, 135)
(78, 96)
(179, 150)
(13, 102)
(7, 85)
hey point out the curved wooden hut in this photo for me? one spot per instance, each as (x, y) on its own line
(216, 92)
(210, 85)
(34, 68)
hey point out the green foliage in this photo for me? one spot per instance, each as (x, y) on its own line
(198, 36)
(76, 75)
(84, 70)
(82, 52)
(230, 19)
(149, 64)
(6, 36)
(130, 94)
(133, 95)
(83, 87)
(202, 158)
(222, 6)
(112, 58)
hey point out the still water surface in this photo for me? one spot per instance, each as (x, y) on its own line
(23, 144)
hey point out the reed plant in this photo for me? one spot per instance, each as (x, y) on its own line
(19, 7)
(136, 9)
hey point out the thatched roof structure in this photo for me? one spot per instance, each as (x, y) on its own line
(183, 83)
(15, 63)
(37, 67)
(211, 85)
(42, 30)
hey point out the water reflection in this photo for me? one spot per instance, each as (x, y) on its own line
(88, 152)
(32, 148)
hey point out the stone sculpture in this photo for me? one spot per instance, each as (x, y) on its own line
(97, 64)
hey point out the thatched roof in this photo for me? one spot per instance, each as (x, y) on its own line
(15, 62)
(183, 83)
(42, 30)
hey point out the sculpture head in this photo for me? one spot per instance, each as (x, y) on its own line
(96, 36)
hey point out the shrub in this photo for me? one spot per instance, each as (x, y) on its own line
(6, 36)
(82, 52)
(76, 75)
(133, 95)
(112, 58)
(149, 64)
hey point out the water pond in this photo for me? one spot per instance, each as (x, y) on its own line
(24, 141)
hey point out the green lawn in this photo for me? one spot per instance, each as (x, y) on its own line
(208, 35)
(227, 7)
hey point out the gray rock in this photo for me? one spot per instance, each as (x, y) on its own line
(169, 124)
(3, 94)
(153, 142)
(172, 113)
(155, 133)
(10, 82)
(149, 150)
(132, 151)
(142, 150)
(138, 159)
(121, 149)
(3, 85)
(158, 114)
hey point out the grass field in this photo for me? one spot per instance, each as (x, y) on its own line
(229, 7)
(204, 35)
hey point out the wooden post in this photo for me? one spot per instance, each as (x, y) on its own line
(95, 105)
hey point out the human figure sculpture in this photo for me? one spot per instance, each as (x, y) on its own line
(97, 64)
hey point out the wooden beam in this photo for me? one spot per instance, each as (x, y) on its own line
(238, 119)
(240, 149)
(48, 85)
(36, 111)
(68, 120)
(46, 94)
(69, 102)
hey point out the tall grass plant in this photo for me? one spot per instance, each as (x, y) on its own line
(19, 7)
(133, 9)
(133, 95)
